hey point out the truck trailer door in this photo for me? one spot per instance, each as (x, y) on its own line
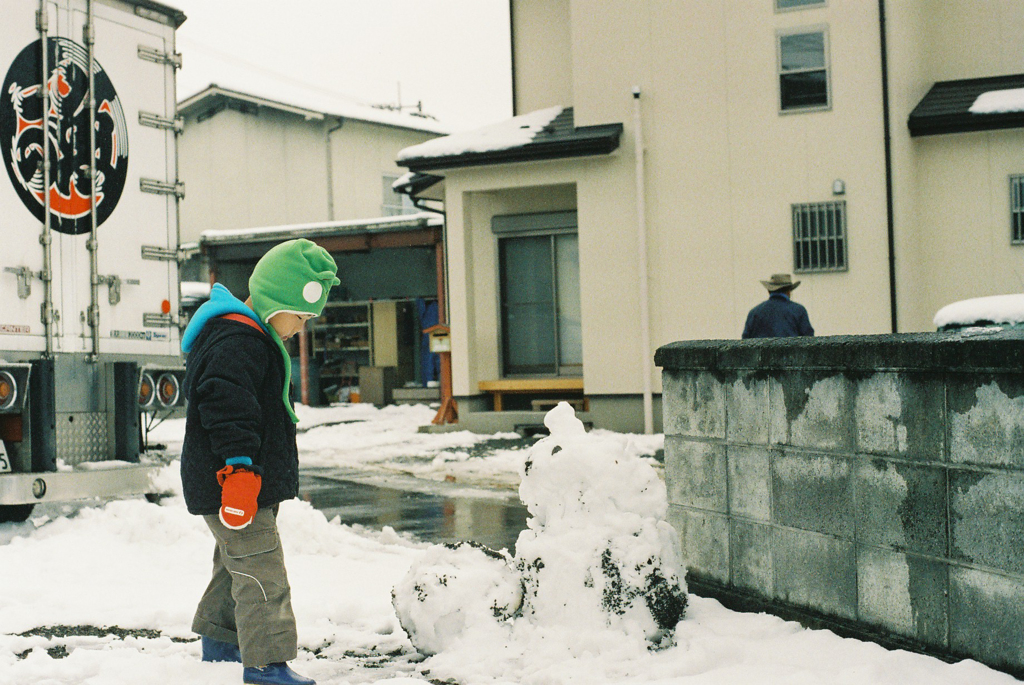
(21, 187)
(137, 236)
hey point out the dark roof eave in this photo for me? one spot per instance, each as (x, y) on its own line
(934, 126)
(598, 140)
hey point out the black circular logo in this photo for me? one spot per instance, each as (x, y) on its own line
(66, 125)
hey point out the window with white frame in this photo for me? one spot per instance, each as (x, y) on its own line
(395, 203)
(819, 237)
(797, 4)
(1017, 209)
(803, 69)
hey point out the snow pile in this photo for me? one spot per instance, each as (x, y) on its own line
(454, 590)
(999, 102)
(1005, 309)
(597, 557)
(504, 135)
(597, 550)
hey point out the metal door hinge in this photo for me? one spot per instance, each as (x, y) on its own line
(25, 276)
(151, 185)
(114, 284)
(157, 121)
(163, 254)
(153, 55)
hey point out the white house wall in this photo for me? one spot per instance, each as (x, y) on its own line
(269, 169)
(243, 170)
(723, 167)
(362, 153)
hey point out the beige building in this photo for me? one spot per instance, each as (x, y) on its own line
(829, 138)
(250, 161)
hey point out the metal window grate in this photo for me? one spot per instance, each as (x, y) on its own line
(1017, 210)
(819, 237)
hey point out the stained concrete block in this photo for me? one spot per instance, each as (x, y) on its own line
(812, 492)
(901, 506)
(815, 571)
(986, 616)
(704, 541)
(694, 404)
(811, 409)
(986, 420)
(749, 481)
(746, 405)
(900, 414)
(904, 594)
(750, 547)
(986, 513)
(695, 474)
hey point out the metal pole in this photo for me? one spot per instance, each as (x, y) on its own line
(641, 235)
(45, 238)
(303, 365)
(94, 273)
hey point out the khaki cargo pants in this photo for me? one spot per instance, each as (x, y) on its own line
(248, 601)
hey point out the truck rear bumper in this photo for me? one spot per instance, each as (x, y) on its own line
(32, 488)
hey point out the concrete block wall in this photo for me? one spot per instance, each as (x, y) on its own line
(874, 480)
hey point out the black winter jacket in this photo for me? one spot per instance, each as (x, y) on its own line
(234, 376)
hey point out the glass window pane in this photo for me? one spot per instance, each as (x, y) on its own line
(528, 308)
(570, 330)
(802, 51)
(806, 89)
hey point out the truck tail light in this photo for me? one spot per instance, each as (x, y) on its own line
(147, 391)
(8, 390)
(168, 390)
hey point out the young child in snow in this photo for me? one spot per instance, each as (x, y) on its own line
(239, 460)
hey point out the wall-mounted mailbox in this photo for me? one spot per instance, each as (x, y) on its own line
(440, 338)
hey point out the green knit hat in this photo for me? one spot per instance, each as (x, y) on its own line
(292, 277)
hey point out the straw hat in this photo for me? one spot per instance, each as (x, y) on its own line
(780, 282)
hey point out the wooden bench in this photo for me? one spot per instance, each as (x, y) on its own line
(530, 386)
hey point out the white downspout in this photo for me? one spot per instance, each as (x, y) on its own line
(641, 239)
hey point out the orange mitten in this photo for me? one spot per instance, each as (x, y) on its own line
(239, 488)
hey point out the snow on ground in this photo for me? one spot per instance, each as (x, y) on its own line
(386, 440)
(104, 594)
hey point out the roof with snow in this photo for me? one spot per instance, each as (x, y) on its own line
(387, 224)
(978, 104)
(545, 134)
(309, 104)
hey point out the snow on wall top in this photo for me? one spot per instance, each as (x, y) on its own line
(997, 308)
(999, 102)
(504, 135)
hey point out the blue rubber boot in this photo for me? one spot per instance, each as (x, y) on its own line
(215, 650)
(274, 674)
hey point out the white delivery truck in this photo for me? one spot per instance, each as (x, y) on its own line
(89, 285)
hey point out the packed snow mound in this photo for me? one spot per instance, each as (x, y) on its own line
(454, 590)
(597, 549)
(597, 554)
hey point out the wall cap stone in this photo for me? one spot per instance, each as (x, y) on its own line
(980, 350)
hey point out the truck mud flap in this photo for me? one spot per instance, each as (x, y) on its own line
(59, 486)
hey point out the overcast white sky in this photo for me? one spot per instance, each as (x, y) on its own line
(451, 54)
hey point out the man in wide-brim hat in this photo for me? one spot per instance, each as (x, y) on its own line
(778, 316)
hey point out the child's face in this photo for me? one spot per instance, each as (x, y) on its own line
(287, 324)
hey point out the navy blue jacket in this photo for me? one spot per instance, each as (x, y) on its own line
(777, 317)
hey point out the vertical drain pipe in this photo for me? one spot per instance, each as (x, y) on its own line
(46, 238)
(889, 211)
(94, 276)
(641, 234)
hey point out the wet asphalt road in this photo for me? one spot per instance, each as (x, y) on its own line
(439, 514)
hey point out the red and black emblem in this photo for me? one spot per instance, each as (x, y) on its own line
(22, 122)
